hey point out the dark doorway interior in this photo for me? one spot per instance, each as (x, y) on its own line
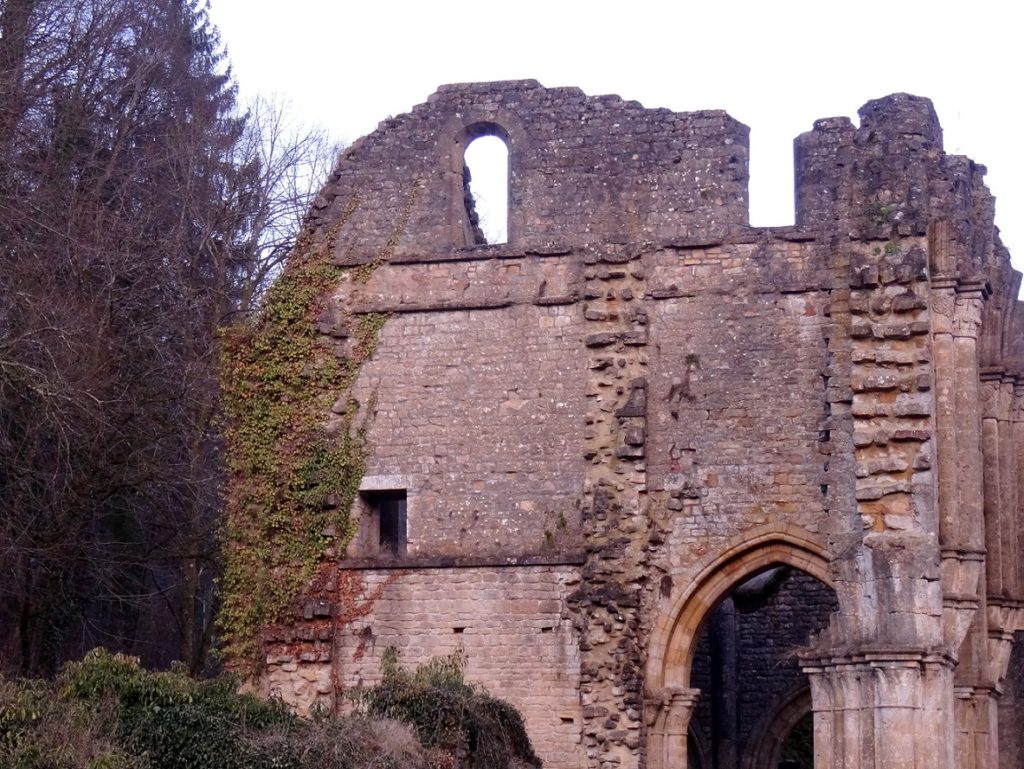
(747, 670)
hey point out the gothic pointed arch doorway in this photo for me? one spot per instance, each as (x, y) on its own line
(723, 663)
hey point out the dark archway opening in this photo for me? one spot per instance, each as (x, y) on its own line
(746, 668)
(797, 749)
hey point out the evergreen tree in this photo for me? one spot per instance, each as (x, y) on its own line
(130, 229)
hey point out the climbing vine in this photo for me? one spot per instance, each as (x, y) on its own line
(291, 483)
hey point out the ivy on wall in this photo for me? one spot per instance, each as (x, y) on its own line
(291, 485)
(280, 377)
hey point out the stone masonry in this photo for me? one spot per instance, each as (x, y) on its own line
(644, 449)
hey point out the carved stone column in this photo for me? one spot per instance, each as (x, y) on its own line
(966, 326)
(1017, 479)
(1000, 424)
(1008, 462)
(978, 509)
(992, 413)
(667, 718)
(956, 321)
(943, 303)
(977, 728)
(882, 710)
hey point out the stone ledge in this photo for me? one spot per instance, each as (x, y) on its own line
(813, 660)
(380, 563)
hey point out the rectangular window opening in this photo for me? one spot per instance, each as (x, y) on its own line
(388, 507)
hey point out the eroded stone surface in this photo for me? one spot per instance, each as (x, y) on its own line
(606, 424)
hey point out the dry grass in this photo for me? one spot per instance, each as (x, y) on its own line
(347, 742)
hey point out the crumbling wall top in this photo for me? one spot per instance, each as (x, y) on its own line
(902, 115)
(600, 170)
(582, 169)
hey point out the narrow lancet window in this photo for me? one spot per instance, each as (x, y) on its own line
(485, 182)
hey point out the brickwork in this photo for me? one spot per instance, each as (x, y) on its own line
(583, 169)
(768, 664)
(639, 402)
(743, 415)
(480, 413)
(511, 624)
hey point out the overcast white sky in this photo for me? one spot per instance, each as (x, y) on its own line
(776, 66)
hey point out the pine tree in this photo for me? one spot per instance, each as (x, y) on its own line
(128, 193)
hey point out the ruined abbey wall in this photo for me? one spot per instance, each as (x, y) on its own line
(608, 425)
(516, 375)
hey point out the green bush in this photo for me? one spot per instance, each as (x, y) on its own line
(106, 712)
(174, 721)
(450, 715)
(39, 730)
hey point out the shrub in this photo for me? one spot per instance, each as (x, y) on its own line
(106, 712)
(346, 742)
(41, 731)
(172, 720)
(449, 715)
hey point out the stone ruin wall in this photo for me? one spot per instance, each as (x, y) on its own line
(589, 417)
(511, 624)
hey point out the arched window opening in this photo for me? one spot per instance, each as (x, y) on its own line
(745, 666)
(485, 188)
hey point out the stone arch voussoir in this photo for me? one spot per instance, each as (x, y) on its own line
(671, 648)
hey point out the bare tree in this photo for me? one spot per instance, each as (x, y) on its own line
(289, 163)
(139, 210)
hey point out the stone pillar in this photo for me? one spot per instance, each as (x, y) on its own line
(956, 320)
(942, 306)
(1010, 518)
(978, 511)
(976, 736)
(977, 725)
(992, 451)
(725, 737)
(1016, 478)
(966, 325)
(667, 719)
(882, 710)
(985, 654)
